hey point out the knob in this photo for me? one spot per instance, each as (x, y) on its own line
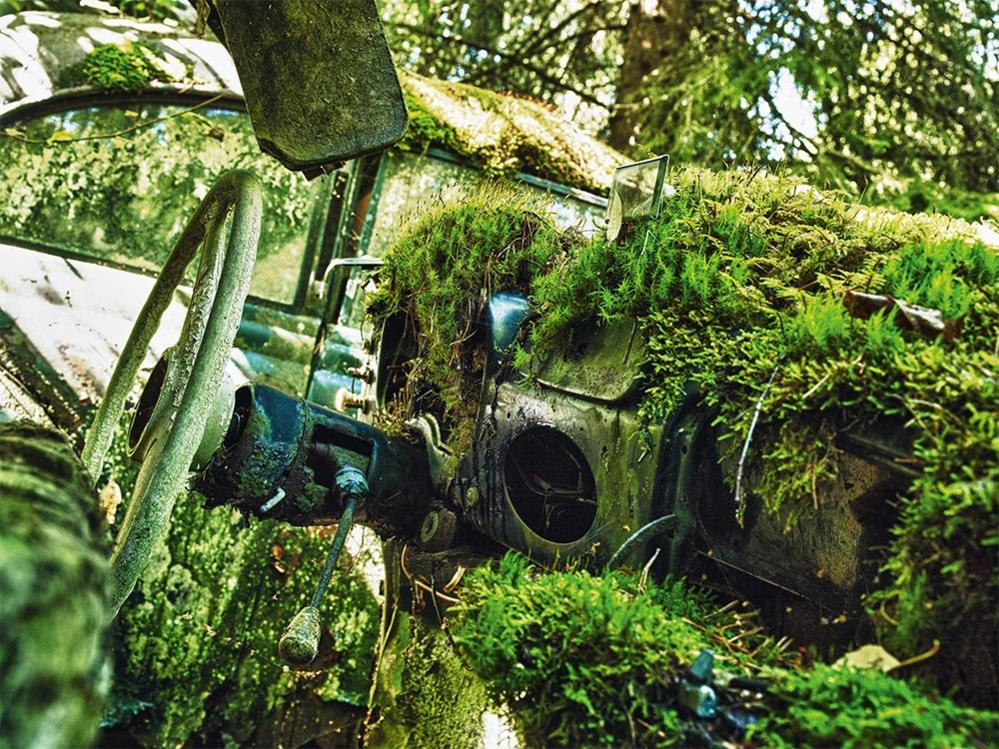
(300, 642)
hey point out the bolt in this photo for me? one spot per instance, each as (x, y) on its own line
(364, 374)
(438, 530)
(344, 399)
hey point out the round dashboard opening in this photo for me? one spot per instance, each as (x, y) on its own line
(550, 485)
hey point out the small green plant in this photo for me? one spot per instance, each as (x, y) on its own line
(127, 67)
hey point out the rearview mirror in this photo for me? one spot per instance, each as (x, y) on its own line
(318, 79)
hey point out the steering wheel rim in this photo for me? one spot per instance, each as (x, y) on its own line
(194, 371)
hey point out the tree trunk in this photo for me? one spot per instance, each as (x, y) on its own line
(649, 39)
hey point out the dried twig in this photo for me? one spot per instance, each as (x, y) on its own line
(740, 509)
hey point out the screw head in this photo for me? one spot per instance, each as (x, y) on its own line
(430, 524)
(438, 530)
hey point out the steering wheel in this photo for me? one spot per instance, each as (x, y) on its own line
(193, 371)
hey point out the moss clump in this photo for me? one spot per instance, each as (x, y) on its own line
(586, 660)
(53, 593)
(426, 695)
(504, 134)
(436, 273)
(850, 708)
(129, 67)
(743, 277)
(424, 129)
(594, 661)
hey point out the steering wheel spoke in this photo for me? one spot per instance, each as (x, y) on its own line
(194, 369)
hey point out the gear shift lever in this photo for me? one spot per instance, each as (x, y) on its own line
(300, 642)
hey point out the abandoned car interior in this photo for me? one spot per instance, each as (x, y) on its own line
(340, 407)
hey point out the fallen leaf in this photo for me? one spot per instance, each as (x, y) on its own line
(108, 500)
(930, 322)
(869, 656)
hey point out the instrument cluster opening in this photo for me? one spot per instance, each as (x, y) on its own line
(550, 485)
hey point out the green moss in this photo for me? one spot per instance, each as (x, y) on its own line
(586, 660)
(53, 600)
(424, 129)
(503, 134)
(495, 239)
(427, 695)
(313, 498)
(857, 709)
(196, 644)
(741, 275)
(590, 661)
(129, 67)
